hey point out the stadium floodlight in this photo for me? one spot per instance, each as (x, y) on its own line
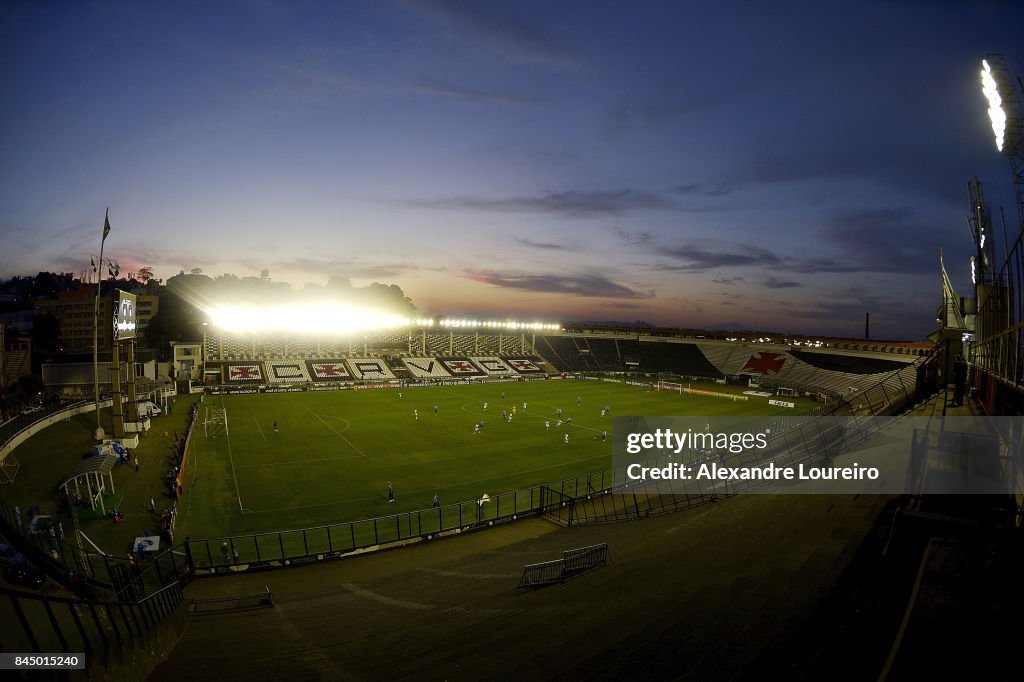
(996, 113)
(303, 319)
(501, 324)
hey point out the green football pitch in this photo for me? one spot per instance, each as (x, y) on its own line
(333, 453)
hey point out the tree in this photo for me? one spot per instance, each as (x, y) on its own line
(145, 274)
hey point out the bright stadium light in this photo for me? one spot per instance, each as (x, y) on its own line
(996, 113)
(309, 319)
(500, 324)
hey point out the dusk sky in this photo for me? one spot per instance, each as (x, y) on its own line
(785, 166)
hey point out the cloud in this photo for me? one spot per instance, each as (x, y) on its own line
(575, 285)
(694, 189)
(701, 259)
(571, 203)
(430, 86)
(880, 240)
(774, 283)
(504, 31)
(728, 281)
(332, 267)
(525, 241)
(632, 238)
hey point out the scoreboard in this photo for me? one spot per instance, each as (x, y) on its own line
(125, 316)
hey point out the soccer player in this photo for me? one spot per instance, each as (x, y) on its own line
(558, 424)
(547, 424)
(275, 426)
(524, 406)
(485, 406)
(604, 434)
(435, 409)
(579, 400)
(391, 492)
(416, 413)
(565, 439)
(476, 428)
(437, 501)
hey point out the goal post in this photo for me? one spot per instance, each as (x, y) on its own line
(216, 423)
(670, 386)
(9, 467)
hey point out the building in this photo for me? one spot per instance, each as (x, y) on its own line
(73, 311)
(187, 360)
(73, 375)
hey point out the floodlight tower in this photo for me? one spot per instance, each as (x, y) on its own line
(1007, 116)
(999, 328)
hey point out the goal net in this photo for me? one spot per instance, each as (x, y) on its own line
(216, 423)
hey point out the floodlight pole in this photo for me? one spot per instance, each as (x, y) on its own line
(1004, 101)
(95, 340)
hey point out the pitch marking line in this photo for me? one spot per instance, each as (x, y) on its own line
(231, 459)
(324, 422)
(382, 599)
(259, 427)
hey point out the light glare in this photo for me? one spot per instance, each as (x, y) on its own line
(995, 104)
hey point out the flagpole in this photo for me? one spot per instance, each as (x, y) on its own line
(96, 326)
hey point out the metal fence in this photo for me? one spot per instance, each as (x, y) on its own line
(572, 563)
(96, 628)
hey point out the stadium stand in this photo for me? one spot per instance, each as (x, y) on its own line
(851, 364)
(369, 368)
(564, 354)
(684, 359)
(726, 357)
(244, 373)
(460, 367)
(329, 370)
(629, 351)
(605, 353)
(424, 368)
(526, 364)
(493, 366)
(16, 364)
(287, 372)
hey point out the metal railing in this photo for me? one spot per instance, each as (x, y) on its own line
(43, 623)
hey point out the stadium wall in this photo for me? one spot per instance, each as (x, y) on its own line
(35, 427)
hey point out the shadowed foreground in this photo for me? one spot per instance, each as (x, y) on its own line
(699, 594)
